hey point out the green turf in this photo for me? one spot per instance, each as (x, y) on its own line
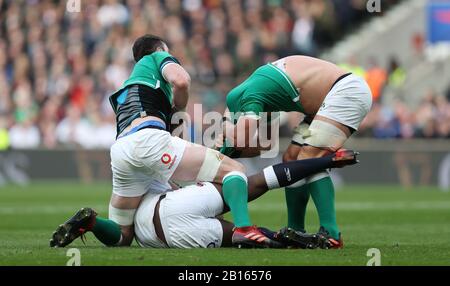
(409, 228)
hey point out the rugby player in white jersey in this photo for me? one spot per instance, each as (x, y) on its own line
(187, 217)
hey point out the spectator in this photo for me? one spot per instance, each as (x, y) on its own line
(352, 66)
(376, 78)
(397, 75)
(57, 69)
(112, 12)
(387, 125)
(302, 34)
(24, 135)
(74, 130)
(4, 136)
(431, 119)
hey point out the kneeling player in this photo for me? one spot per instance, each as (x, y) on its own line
(186, 218)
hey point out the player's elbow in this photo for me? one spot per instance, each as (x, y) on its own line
(182, 81)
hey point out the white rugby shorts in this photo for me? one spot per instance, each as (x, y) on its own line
(348, 102)
(187, 218)
(141, 158)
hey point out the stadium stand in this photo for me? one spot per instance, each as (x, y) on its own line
(410, 102)
(58, 68)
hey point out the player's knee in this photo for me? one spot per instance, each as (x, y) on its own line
(236, 172)
(229, 166)
(211, 167)
(237, 166)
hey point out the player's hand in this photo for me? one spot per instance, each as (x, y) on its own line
(344, 157)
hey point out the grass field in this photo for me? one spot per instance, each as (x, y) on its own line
(408, 227)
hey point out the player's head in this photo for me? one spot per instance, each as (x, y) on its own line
(146, 45)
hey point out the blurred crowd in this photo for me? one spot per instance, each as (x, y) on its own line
(57, 68)
(391, 115)
(431, 119)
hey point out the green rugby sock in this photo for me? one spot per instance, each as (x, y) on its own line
(322, 193)
(107, 231)
(235, 194)
(296, 201)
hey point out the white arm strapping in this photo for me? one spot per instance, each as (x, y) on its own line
(123, 217)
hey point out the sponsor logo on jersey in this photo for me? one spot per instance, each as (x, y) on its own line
(173, 162)
(166, 158)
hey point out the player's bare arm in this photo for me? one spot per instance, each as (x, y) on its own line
(180, 80)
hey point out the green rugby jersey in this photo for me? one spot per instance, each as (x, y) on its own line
(268, 89)
(146, 92)
(148, 71)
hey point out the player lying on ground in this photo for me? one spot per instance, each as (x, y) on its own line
(146, 154)
(187, 218)
(334, 102)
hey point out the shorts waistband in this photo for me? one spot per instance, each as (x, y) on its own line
(147, 124)
(340, 78)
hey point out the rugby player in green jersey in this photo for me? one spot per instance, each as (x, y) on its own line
(334, 103)
(145, 156)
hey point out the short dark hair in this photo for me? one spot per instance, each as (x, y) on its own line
(146, 45)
